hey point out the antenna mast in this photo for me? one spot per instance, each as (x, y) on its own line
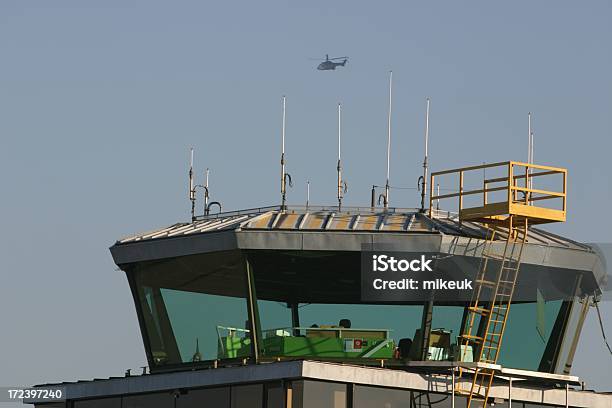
(206, 192)
(530, 150)
(425, 165)
(529, 134)
(192, 192)
(284, 175)
(307, 194)
(386, 196)
(342, 187)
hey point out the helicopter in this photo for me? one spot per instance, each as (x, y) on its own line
(329, 64)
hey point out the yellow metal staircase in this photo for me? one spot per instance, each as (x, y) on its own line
(488, 312)
(507, 224)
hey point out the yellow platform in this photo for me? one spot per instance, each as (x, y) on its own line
(521, 201)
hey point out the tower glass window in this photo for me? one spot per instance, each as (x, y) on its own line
(194, 308)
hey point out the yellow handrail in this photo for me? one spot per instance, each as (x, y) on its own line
(511, 179)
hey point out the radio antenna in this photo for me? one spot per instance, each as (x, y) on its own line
(423, 178)
(530, 149)
(206, 192)
(529, 138)
(285, 177)
(307, 194)
(192, 191)
(342, 186)
(386, 195)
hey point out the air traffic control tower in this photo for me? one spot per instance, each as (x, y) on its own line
(266, 307)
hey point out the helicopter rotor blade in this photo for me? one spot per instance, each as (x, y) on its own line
(337, 58)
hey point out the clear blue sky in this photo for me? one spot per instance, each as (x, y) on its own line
(100, 101)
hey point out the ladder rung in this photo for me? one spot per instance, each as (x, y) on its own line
(496, 315)
(490, 340)
(472, 337)
(481, 311)
(497, 257)
(486, 282)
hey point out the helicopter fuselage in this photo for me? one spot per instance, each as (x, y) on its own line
(330, 65)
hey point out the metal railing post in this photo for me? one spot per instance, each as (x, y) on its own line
(527, 185)
(431, 194)
(510, 393)
(460, 191)
(484, 192)
(564, 191)
(453, 388)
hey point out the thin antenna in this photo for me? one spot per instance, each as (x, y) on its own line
(532, 148)
(341, 183)
(192, 192)
(206, 192)
(530, 152)
(424, 177)
(386, 196)
(284, 175)
(529, 135)
(307, 194)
